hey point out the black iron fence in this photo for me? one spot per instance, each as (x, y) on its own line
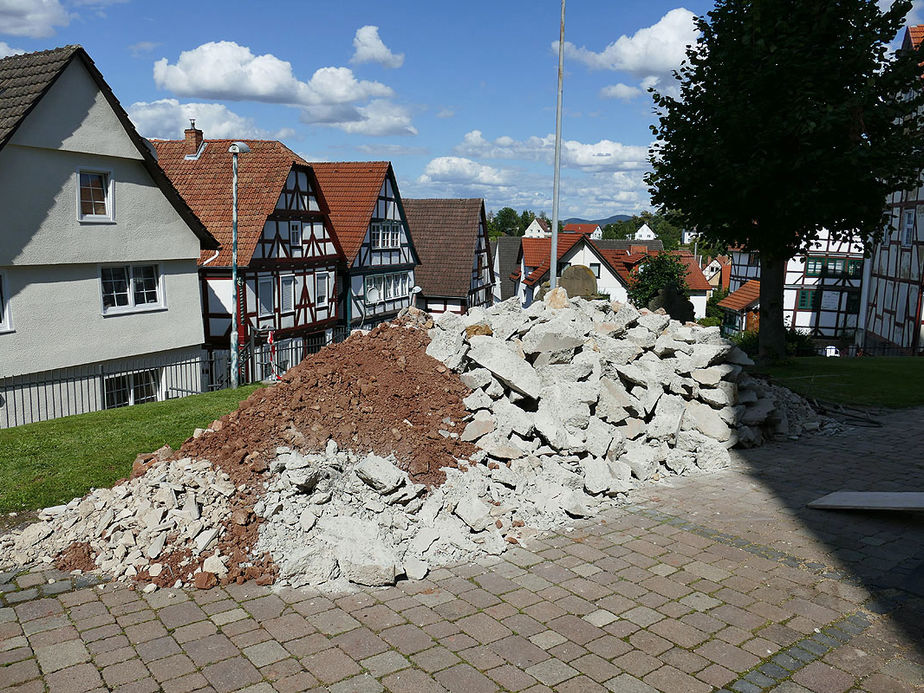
(50, 395)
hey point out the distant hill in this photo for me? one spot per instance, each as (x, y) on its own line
(600, 222)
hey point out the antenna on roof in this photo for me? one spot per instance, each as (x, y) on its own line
(192, 123)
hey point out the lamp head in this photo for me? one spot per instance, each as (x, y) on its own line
(239, 148)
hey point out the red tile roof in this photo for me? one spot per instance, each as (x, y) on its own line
(916, 34)
(205, 184)
(743, 298)
(624, 262)
(537, 253)
(445, 234)
(351, 189)
(580, 228)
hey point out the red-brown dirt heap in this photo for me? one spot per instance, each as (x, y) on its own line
(377, 392)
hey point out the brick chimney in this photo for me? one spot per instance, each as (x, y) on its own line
(633, 249)
(193, 138)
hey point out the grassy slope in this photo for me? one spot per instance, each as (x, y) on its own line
(867, 381)
(51, 462)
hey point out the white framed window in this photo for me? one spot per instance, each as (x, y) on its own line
(265, 296)
(131, 388)
(6, 322)
(131, 288)
(385, 235)
(95, 199)
(287, 293)
(908, 228)
(295, 233)
(320, 289)
(388, 287)
(595, 268)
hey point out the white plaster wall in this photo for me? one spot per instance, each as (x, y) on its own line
(699, 305)
(73, 127)
(608, 283)
(58, 320)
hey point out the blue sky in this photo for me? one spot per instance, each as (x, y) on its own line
(459, 96)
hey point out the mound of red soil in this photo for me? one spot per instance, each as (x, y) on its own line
(77, 556)
(377, 392)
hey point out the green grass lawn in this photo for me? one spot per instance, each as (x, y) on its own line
(48, 463)
(875, 381)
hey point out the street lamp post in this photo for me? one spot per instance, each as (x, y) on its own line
(235, 149)
(553, 261)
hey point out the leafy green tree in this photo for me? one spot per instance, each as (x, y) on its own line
(653, 274)
(792, 117)
(618, 230)
(507, 222)
(526, 218)
(712, 305)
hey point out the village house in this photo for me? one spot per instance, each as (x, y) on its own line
(538, 228)
(718, 272)
(455, 271)
(287, 252)
(893, 280)
(644, 233)
(368, 217)
(821, 293)
(506, 262)
(99, 295)
(592, 231)
(612, 263)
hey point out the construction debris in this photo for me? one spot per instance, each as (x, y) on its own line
(422, 444)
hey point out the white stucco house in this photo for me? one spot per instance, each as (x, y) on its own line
(98, 252)
(538, 228)
(644, 233)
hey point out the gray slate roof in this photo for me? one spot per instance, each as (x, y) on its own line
(620, 244)
(24, 79)
(507, 249)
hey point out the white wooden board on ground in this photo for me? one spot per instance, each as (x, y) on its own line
(870, 500)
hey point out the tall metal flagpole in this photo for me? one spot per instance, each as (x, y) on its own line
(235, 149)
(553, 268)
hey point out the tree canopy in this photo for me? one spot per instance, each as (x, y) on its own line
(666, 226)
(792, 117)
(653, 274)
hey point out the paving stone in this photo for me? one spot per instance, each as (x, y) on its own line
(358, 684)
(265, 653)
(61, 655)
(821, 678)
(385, 663)
(75, 679)
(210, 649)
(124, 672)
(231, 674)
(551, 672)
(625, 683)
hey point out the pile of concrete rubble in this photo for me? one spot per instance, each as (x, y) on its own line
(572, 404)
(176, 509)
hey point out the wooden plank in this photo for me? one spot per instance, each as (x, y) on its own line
(870, 500)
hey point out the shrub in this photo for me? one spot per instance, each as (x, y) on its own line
(710, 322)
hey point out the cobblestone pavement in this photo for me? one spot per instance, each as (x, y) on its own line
(721, 581)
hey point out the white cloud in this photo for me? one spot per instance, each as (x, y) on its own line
(620, 91)
(458, 170)
(167, 118)
(370, 49)
(33, 18)
(7, 50)
(226, 70)
(602, 155)
(650, 54)
(379, 117)
(445, 113)
(142, 48)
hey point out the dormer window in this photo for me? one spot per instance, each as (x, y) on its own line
(94, 196)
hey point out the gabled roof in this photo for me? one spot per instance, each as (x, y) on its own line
(537, 253)
(351, 189)
(26, 78)
(543, 224)
(206, 182)
(743, 298)
(913, 36)
(581, 228)
(507, 249)
(445, 235)
(628, 244)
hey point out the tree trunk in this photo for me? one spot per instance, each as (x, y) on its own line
(772, 335)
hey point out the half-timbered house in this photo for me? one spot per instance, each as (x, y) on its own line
(455, 271)
(893, 283)
(368, 219)
(287, 251)
(821, 293)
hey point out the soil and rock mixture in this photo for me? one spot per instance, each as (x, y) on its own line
(421, 444)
